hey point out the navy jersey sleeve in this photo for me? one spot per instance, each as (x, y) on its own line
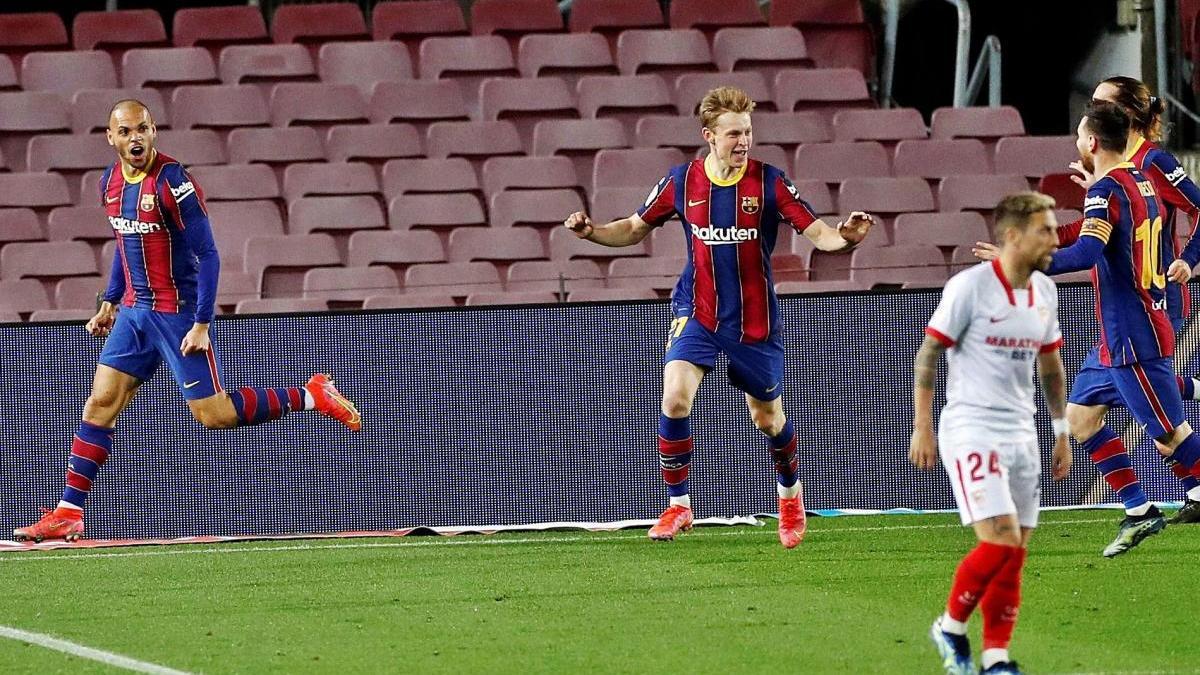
(659, 206)
(183, 200)
(1093, 233)
(1178, 190)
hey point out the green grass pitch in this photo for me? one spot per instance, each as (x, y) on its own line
(856, 597)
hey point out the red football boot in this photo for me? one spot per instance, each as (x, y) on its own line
(792, 522)
(672, 521)
(58, 523)
(330, 402)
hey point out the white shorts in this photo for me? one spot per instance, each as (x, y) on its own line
(992, 478)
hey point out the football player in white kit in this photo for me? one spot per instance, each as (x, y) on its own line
(994, 321)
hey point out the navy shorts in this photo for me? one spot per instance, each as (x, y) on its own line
(755, 368)
(1148, 389)
(142, 339)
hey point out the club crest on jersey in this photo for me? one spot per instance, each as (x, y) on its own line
(147, 203)
(750, 205)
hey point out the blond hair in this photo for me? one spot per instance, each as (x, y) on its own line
(1015, 210)
(722, 100)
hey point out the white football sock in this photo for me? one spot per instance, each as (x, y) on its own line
(991, 657)
(309, 403)
(1195, 389)
(1194, 494)
(788, 492)
(684, 501)
(69, 505)
(952, 626)
(1138, 510)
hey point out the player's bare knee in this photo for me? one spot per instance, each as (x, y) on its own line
(102, 404)
(213, 420)
(768, 422)
(1176, 436)
(1084, 422)
(676, 407)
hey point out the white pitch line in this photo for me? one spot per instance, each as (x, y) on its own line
(30, 556)
(66, 647)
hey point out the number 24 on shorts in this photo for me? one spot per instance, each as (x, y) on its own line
(975, 465)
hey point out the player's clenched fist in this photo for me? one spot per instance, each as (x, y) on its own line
(101, 324)
(580, 224)
(855, 229)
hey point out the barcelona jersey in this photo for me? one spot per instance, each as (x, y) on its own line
(730, 227)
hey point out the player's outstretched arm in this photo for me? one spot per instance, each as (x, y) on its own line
(844, 237)
(1054, 389)
(623, 232)
(922, 447)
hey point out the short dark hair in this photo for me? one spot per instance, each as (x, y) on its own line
(1145, 109)
(1016, 210)
(1109, 123)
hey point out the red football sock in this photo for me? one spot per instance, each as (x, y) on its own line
(1002, 601)
(974, 574)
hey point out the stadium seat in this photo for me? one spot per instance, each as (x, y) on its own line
(417, 102)
(641, 167)
(767, 154)
(417, 176)
(473, 140)
(512, 298)
(408, 300)
(821, 89)
(690, 88)
(987, 123)
(613, 203)
(21, 33)
(564, 245)
(625, 98)
(891, 124)
(38, 191)
(193, 147)
(342, 285)
(510, 18)
(236, 182)
(466, 60)
(320, 22)
(944, 230)
(234, 286)
(675, 131)
(218, 107)
(669, 52)
(792, 129)
(23, 295)
(275, 146)
(167, 68)
(280, 305)
(216, 27)
(763, 50)
(526, 101)
(657, 273)
(8, 76)
(396, 250)
(977, 193)
(71, 156)
(553, 275)
(579, 140)
(83, 223)
(805, 287)
(611, 294)
(897, 265)
(444, 210)
(234, 223)
(24, 114)
(569, 56)
(816, 192)
(316, 179)
(412, 21)
(67, 72)
(279, 262)
(363, 64)
(61, 315)
(1066, 192)
(836, 31)
(372, 143)
(835, 162)
(79, 293)
(458, 279)
(541, 208)
(266, 64)
(89, 187)
(118, 30)
(22, 224)
(940, 158)
(962, 258)
(316, 104)
(528, 173)
(885, 196)
(334, 214)
(495, 244)
(667, 241)
(609, 17)
(1035, 156)
(709, 15)
(90, 108)
(46, 260)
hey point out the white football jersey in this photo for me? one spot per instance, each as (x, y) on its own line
(994, 333)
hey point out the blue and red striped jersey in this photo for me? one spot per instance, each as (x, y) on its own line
(1123, 212)
(166, 259)
(731, 227)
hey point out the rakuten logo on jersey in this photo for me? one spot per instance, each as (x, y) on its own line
(127, 226)
(182, 191)
(714, 236)
(1177, 175)
(1095, 203)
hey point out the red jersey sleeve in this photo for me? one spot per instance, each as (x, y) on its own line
(791, 207)
(659, 206)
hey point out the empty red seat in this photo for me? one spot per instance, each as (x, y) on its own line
(466, 56)
(319, 22)
(409, 300)
(898, 265)
(640, 167)
(525, 101)
(890, 124)
(237, 182)
(395, 249)
(23, 295)
(321, 179)
(791, 129)
(32, 31)
(235, 223)
(46, 259)
(414, 176)
(553, 275)
(885, 196)
(658, 273)
(418, 102)
(663, 51)
(265, 63)
(90, 108)
(24, 114)
(219, 106)
(514, 17)
(193, 147)
(527, 173)
(495, 244)
(69, 152)
(543, 208)
(612, 294)
(279, 262)
(711, 14)
(79, 293)
(84, 223)
(214, 27)
(512, 298)
(804, 287)
(412, 21)
(835, 162)
(836, 31)
(819, 88)
(564, 245)
(349, 284)
(372, 143)
(1035, 156)
(676, 131)
(626, 98)
(338, 213)
(167, 67)
(21, 224)
(316, 103)
(575, 137)
(8, 76)
(816, 192)
(941, 157)
(763, 50)
(122, 28)
(1066, 192)
(977, 193)
(568, 56)
(38, 191)
(977, 122)
(961, 228)
(275, 146)
(233, 286)
(612, 16)
(690, 88)
(472, 139)
(459, 279)
(613, 203)
(452, 209)
(280, 305)
(363, 64)
(67, 72)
